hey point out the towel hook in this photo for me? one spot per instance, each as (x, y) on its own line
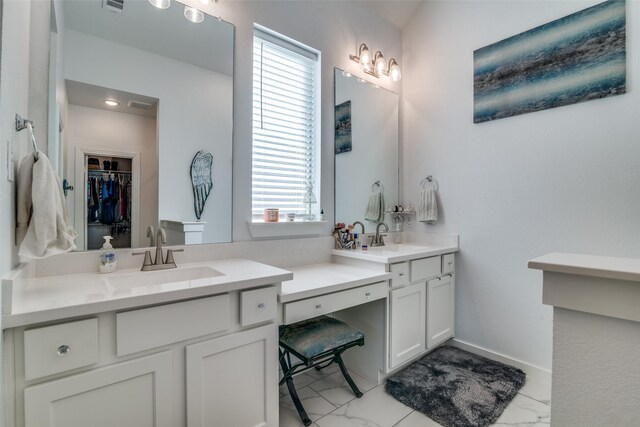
(429, 179)
(21, 124)
(377, 185)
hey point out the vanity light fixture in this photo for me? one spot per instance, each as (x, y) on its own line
(377, 66)
(161, 4)
(111, 102)
(194, 15)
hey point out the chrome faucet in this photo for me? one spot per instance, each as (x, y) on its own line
(160, 263)
(378, 239)
(361, 226)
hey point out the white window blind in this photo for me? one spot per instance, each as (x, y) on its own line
(285, 87)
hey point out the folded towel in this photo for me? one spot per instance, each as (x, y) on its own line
(375, 207)
(42, 224)
(428, 207)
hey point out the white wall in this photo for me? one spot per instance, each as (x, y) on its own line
(14, 98)
(596, 379)
(563, 179)
(188, 95)
(334, 28)
(99, 129)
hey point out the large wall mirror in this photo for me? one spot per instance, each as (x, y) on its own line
(140, 121)
(366, 147)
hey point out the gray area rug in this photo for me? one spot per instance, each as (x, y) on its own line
(456, 388)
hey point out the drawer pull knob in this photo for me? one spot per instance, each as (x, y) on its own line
(368, 294)
(450, 262)
(63, 350)
(400, 274)
(318, 306)
(261, 306)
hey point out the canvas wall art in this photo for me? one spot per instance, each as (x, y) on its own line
(343, 127)
(576, 58)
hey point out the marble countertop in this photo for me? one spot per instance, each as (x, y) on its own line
(589, 265)
(42, 299)
(319, 279)
(392, 253)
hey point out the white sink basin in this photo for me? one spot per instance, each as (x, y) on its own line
(162, 277)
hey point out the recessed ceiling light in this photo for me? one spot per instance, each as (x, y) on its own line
(161, 4)
(194, 15)
(111, 102)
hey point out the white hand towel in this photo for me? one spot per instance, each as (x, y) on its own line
(375, 207)
(42, 223)
(428, 206)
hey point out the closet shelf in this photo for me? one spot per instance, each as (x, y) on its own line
(101, 171)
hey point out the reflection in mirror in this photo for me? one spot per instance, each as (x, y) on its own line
(134, 96)
(366, 147)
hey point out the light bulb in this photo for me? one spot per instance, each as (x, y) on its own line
(111, 102)
(379, 64)
(194, 15)
(394, 70)
(161, 4)
(365, 55)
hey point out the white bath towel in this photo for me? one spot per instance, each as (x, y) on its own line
(42, 223)
(428, 206)
(375, 207)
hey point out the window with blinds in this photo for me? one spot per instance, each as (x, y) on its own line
(285, 125)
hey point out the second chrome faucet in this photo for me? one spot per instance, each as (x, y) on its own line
(159, 263)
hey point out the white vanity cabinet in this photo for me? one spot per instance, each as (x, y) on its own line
(440, 309)
(407, 314)
(421, 306)
(137, 393)
(208, 361)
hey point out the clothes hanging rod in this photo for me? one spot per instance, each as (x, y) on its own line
(104, 171)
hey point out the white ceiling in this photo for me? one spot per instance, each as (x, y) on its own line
(163, 32)
(86, 95)
(398, 12)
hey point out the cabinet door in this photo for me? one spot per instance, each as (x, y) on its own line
(136, 393)
(440, 309)
(232, 381)
(407, 323)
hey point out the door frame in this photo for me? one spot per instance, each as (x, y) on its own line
(80, 203)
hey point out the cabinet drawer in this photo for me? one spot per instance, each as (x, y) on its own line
(400, 274)
(448, 263)
(153, 327)
(59, 348)
(425, 268)
(312, 307)
(258, 305)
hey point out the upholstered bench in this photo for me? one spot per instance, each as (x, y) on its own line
(317, 343)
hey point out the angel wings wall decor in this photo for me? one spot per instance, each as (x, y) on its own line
(201, 180)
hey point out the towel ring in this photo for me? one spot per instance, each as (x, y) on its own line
(429, 180)
(377, 186)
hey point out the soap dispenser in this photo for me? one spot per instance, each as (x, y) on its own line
(108, 261)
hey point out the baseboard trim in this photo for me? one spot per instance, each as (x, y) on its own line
(531, 370)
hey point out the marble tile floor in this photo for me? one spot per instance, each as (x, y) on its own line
(329, 402)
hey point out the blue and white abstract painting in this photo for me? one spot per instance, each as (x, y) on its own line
(576, 58)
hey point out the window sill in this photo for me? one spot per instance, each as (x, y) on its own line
(261, 229)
